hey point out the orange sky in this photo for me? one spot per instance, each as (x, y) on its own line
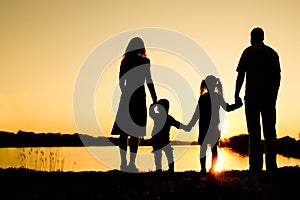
(45, 43)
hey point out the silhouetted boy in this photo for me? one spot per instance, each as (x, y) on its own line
(159, 112)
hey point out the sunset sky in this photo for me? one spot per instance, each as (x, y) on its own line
(45, 43)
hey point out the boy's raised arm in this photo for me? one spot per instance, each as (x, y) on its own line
(184, 127)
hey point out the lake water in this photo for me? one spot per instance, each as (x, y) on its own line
(107, 158)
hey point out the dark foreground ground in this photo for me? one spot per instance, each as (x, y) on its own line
(114, 185)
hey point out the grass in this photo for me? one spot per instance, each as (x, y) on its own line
(36, 158)
(30, 184)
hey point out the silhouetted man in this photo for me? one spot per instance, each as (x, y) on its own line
(260, 64)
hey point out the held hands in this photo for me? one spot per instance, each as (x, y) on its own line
(186, 128)
(238, 102)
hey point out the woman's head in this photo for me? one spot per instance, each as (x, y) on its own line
(211, 84)
(135, 47)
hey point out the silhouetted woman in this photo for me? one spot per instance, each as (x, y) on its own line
(131, 116)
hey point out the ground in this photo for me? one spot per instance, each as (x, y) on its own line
(114, 185)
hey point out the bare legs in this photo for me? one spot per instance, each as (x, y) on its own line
(158, 158)
(133, 146)
(214, 157)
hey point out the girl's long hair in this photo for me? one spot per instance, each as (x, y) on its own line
(135, 47)
(211, 83)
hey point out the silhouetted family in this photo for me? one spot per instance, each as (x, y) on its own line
(259, 63)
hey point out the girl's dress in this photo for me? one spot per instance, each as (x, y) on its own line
(208, 113)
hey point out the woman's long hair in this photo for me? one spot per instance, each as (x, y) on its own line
(211, 83)
(135, 47)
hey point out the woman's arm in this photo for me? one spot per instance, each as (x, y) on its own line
(150, 84)
(122, 79)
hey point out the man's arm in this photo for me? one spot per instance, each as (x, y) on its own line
(230, 107)
(238, 84)
(277, 77)
(236, 105)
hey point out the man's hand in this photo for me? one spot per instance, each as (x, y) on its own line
(238, 102)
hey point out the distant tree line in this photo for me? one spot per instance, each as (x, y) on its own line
(286, 146)
(31, 139)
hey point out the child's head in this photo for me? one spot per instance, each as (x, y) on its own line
(211, 84)
(164, 103)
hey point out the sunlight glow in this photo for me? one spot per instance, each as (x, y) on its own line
(220, 162)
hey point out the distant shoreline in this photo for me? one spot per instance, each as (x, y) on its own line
(286, 146)
(31, 139)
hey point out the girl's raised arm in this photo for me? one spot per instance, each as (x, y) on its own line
(194, 118)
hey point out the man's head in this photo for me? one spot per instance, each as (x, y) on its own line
(257, 36)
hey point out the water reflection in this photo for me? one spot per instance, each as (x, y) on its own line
(107, 158)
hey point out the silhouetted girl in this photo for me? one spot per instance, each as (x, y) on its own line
(207, 112)
(131, 116)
